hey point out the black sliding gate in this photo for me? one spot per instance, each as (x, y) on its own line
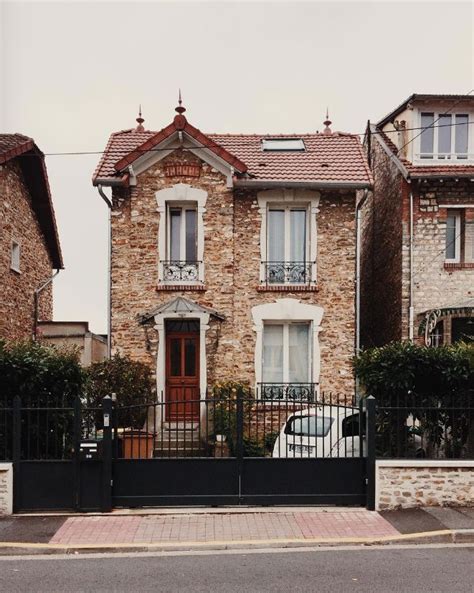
(237, 450)
(241, 451)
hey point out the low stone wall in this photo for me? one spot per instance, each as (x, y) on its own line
(6, 489)
(404, 484)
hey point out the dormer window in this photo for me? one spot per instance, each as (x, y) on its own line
(283, 145)
(444, 136)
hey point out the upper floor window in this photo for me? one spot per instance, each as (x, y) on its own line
(459, 237)
(181, 235)
(288, 237)
(444, 136)
(15, 256)
(287, 247)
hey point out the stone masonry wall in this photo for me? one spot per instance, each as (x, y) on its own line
(6, 488)
(435, 284)
(424, 483)
(232, 261)
(18, 223)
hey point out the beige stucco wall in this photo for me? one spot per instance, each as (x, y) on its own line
(6, 489)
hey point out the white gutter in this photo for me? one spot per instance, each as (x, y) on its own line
(109, 271)
(411, 290)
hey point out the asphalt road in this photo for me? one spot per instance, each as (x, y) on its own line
(416, 569)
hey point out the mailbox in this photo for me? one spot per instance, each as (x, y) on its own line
(90, 449)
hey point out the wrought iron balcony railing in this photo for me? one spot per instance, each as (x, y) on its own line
(180, 271)
(288, 391)
(287, 272)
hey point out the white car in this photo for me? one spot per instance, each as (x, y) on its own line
(324, 431)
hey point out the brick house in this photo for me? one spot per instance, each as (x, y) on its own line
(29, 243)
(233, 256)
(418, 238)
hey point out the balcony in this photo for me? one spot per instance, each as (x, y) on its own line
(181, 272)
(305, 392)
(287, 272)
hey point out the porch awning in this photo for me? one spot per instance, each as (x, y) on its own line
(180, 305)
(464, 307)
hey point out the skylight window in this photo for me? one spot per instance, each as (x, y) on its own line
(283, 144)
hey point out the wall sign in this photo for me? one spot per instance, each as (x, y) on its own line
(185, 170)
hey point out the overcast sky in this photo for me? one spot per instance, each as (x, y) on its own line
(73, 72)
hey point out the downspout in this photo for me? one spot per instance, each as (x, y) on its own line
(358, 280)
(109, 271)
(411, 290)
(36, 294)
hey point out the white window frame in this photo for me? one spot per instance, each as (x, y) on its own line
(458, 237)
(15, 256)
(287, 208)
(286, 348)
(452, 157)
(179, 195)
(286, 311)
(182, 231)
(289, 198)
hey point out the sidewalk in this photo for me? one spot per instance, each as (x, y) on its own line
(223, 528)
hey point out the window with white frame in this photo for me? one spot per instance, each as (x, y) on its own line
(181, 209)
(287, 245)
(453, 236)
(15, 256)
(445, 136)
(286, 359)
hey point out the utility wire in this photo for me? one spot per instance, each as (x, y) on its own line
(125, 151)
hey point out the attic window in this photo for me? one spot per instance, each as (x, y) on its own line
(283, 144)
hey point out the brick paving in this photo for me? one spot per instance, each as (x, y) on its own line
(222, 527)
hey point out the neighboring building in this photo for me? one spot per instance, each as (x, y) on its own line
(92, 347)
(29, 243)
(233, 256)
(418, 249)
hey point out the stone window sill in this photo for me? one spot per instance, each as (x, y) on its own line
(459, 266)
(287, 288)
(181, 287)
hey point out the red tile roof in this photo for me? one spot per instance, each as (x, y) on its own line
(334, 158)
(33, 167)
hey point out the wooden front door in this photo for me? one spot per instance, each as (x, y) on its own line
(182, 377)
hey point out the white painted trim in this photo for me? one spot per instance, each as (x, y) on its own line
(287, 197)
(456, 206)
(8, 468)
(178, 193)
(286, 310)
(160, 319)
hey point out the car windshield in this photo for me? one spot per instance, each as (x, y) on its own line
(309, 426)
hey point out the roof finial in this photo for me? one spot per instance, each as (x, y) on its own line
(180, 109)
(140, 120)
(327, 123)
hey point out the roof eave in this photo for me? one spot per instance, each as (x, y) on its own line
(263, 183)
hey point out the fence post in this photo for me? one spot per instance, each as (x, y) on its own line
(107, 455)
(370, 437)
(240, 437)
(16, 452)
(77, 445)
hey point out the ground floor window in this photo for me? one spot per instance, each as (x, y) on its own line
(448, 329)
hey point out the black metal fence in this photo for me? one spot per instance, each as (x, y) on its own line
(417, 426)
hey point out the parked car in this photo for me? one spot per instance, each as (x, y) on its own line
(324, 431)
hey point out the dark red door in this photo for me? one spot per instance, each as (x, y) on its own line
(182, 377)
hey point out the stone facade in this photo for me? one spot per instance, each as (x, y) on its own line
(6, 489)
(386, 251)
(409, 484)
(18, 223)
(232, 273)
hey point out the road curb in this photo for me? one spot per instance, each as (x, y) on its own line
(460, 536)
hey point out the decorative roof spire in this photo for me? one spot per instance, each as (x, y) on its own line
(140, 120)
(327, 130)
(180, 109)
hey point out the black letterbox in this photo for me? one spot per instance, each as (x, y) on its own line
(90, 449)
